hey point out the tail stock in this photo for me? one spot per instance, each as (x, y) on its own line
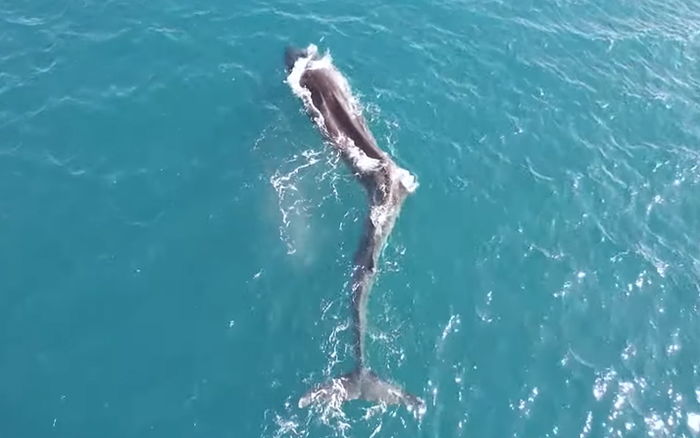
(362, 384)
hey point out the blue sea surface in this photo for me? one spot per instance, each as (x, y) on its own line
(176, 239)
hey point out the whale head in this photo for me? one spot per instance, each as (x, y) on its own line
(291, 54)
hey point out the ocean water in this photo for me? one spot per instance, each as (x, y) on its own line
(175, 237)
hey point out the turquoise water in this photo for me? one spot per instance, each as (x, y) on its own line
(176, 237)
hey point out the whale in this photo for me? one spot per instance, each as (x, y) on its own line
(331, 105)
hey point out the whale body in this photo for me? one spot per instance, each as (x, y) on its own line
(330, 103)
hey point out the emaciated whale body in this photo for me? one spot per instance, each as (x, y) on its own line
(329, 102)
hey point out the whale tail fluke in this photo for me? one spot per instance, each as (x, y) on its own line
(362, 384)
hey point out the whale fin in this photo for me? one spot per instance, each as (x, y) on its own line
(362, 384)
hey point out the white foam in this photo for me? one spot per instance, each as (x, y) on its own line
(292, 202)
(587, 427)
(694, 422)
(294, 82)
(294, 77)
(326, 61)
(378, 214)
(361, 160)
(407, 180)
